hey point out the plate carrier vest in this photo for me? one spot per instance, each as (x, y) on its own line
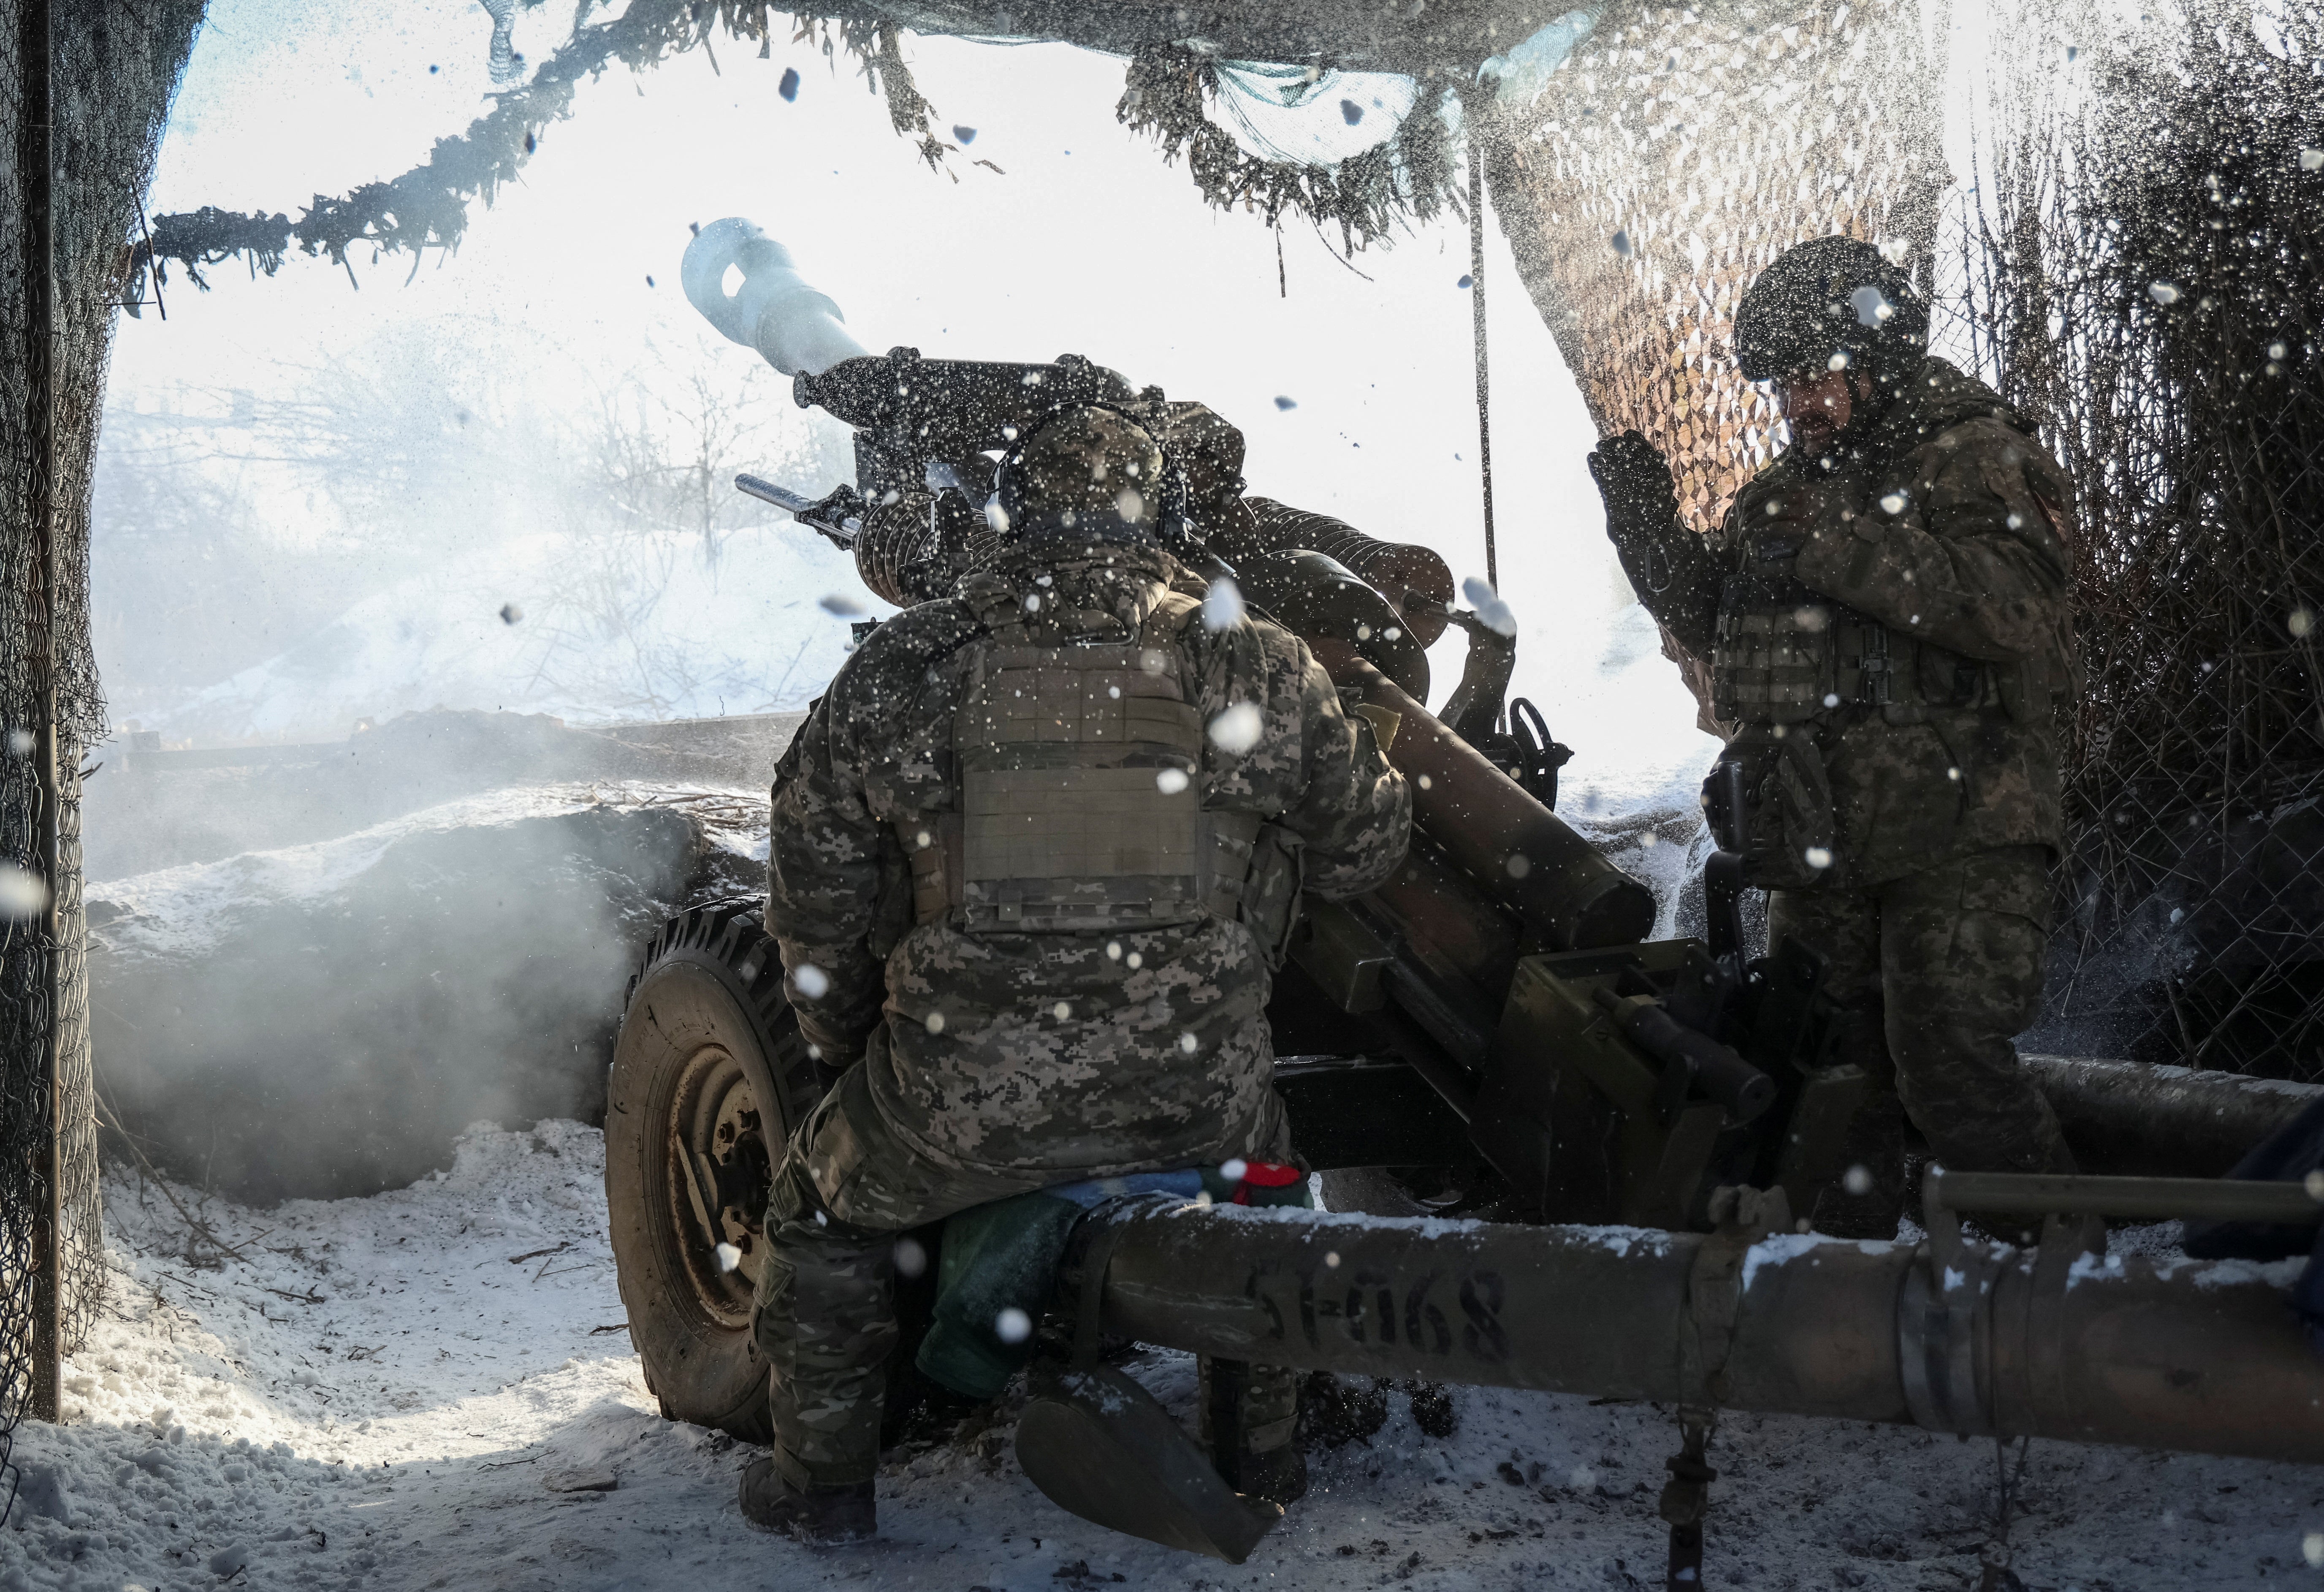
(1070, 819)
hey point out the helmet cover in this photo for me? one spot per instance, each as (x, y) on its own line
(1831, 303)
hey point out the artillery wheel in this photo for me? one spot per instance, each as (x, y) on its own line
(709, 1077)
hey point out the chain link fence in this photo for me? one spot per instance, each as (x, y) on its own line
(2144, 277)
(112, 69)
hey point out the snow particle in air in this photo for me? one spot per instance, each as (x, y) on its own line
(23, 894)
(1232, 1170)
(1012, 1326)
(2301, 624)
(1427, 784)
(965, 134)
(1134, 959)
(811, 981)
(1831, 699)
(2311, 160)
(1222, 606)
(1353, 112)
(1393, 633)
(22, 742)
(1171, 780)
(1283, 403)
(788, 86)
(1893, 503)
(935, 1023)
(649, 282)
(1518, 864)
(1621, 242)
(1238, 729)
(2163, 292)
(1114, 950)
(511, 614)
(1490, 607)
(1189, 1043)
(2311, 1546)
(729, 1257)
(841, 604)
(1332, 1258)
(1062, 1011)
(1857, 1179)
(911, 1259)
(1466, 281)
(1817, 857)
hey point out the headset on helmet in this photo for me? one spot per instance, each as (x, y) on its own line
(1831, 303)
(1162, 507)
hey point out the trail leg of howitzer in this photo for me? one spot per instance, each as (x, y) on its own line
(2159, 1353)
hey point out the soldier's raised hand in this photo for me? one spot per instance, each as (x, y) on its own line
(1641, 497)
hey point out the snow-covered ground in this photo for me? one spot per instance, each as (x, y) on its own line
(431, 1388)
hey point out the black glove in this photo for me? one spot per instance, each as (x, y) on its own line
(1641, 498)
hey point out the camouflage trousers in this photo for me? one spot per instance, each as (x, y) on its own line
(1935, 973)
(824, 1315)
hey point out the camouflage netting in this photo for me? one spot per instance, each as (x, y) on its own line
(1677, 152)
(427, 206)
(114, 69)
(1184, 98)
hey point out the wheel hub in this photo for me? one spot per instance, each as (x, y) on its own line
(720, 1167)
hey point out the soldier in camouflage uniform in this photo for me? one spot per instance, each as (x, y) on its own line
(1885, 614)
(1033, 858)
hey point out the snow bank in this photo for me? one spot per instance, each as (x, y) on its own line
(404, 1392)
(597, 629)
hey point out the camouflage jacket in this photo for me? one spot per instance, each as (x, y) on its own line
(1938, 534)
(1087, 1054)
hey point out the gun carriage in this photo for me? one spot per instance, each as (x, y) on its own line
(1490, 1034)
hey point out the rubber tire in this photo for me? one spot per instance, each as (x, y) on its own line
(710, 976)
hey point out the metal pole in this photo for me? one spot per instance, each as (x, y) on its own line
(1477, 315)
(36, 167)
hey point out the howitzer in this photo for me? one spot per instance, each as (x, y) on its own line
(1493, 1026)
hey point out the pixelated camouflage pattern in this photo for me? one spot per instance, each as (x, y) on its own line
(1946, 521)
(1160, 1056)
(824, 1312)
(826, 1315)
(1934, 973)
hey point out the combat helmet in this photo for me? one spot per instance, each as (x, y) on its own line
(1086, 476)
(1831, 303)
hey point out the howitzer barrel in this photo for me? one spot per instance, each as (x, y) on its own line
(772, 308)
(1518, 849)
(2136, 1116)
(2202, 1357)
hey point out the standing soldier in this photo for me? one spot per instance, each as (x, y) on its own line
(1034, 859)
(1885, 614)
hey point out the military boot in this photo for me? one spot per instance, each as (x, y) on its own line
(821, 1517)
